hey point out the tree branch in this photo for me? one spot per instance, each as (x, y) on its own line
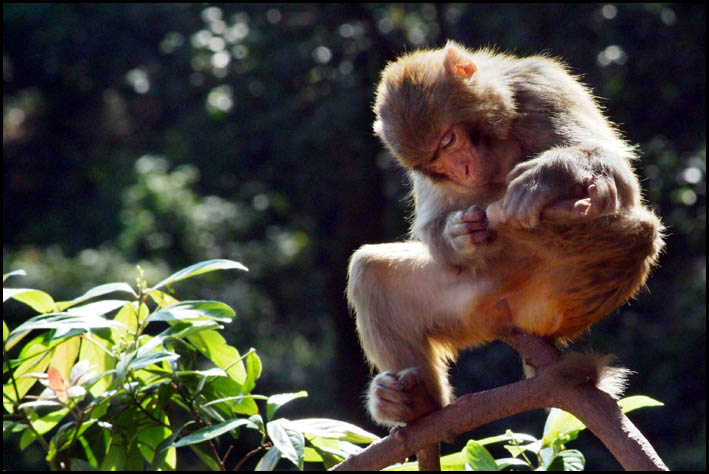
(595, 408)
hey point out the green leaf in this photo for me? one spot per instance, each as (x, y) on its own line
(194, 311)
(561, 424)
(507, 437)
(63, 322)
(27, 438)
(634, 402)
(258, 421)
(36, 299)
(288, 439)
(213, 372)
(329, 451)
(269, 460)
(163, 299)
(36, 360)
(94, 349)
(503, 463)
(92, 445)
(150, 437)
(206, 458)
(147, 360)
(569, 460)
(5, 276)
(48, 421)
(165, 453)
(5, 332)
(517, 449)
(115, 457)
(233, 399)
(97, 291)
(64, 356)
(198, 269)
(453, 462)
(214, 347)
(478, 457)
(253, 371)
(276, 401)
(209, 432)
(54, 405)
(10, 426)
(97, 308)
(222, 387)
(334, 429)
(127, 316)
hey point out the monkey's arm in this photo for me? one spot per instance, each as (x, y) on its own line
(455, 232)
(598, 178)
(581, 157)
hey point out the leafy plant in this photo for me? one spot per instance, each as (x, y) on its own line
(132, 390)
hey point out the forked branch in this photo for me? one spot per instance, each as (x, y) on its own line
(595, 408)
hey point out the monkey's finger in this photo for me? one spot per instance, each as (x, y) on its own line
(391, 412)
(583, 207)
(519, 170)
(481, 237)
(475, 226)
(408, 378)
(604, 196)
(473, 214)
(568, 208)
(392, 394)
(530, 209)
(495, 213)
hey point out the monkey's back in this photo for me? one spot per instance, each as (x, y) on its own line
(586, 269)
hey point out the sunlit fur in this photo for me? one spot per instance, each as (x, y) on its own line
(417, 303)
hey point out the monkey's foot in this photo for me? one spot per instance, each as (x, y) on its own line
(396, 398)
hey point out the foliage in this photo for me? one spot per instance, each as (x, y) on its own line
(129, 392)
(549, 453)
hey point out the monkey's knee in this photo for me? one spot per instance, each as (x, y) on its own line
(369, 277)
(360, 274)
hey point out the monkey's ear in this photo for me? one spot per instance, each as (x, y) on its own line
(456, 63)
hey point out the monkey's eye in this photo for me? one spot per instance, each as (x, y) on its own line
(448, 139)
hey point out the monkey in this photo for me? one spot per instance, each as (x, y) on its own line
(527, 215)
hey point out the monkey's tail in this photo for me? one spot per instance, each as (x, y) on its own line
(577, 368)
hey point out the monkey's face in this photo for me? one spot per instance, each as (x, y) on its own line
(461, 157)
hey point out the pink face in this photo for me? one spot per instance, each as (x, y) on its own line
(460, 160)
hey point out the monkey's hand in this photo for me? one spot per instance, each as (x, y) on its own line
(396, 398)
(555, 187)
(467, 230)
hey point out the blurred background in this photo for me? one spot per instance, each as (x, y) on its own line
(164, 135)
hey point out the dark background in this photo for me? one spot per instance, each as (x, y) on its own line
(165, 135)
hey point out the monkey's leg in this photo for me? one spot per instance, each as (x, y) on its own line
(410, 311)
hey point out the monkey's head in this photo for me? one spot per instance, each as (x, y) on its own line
(438, 110)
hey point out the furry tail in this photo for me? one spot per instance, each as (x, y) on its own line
(577, 368)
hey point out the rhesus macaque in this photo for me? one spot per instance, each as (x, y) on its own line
(527, 215)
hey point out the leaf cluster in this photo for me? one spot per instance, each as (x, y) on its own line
(132, 382)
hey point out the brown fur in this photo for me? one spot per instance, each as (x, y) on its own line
(568, 239)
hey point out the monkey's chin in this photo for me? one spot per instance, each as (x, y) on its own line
(486, 191)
